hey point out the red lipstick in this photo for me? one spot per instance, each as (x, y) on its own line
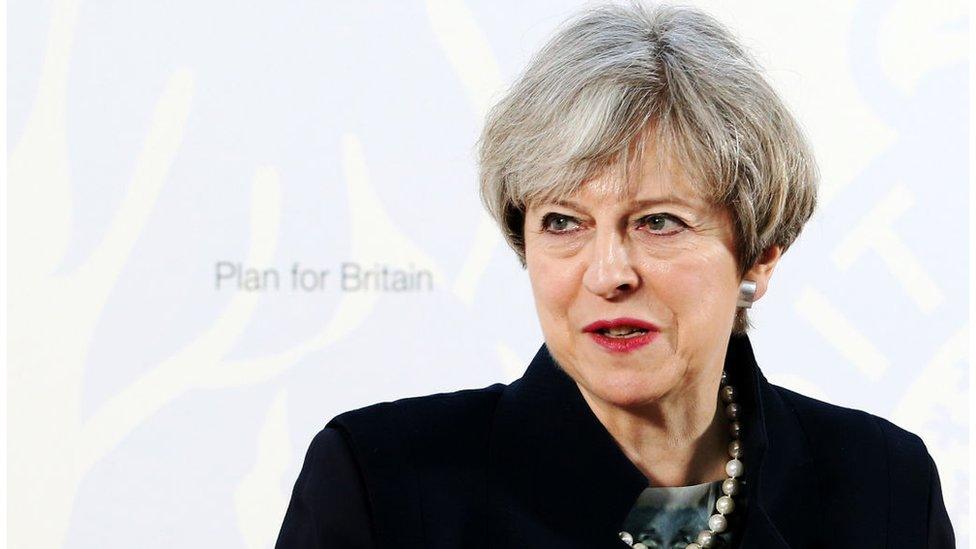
(646, 333)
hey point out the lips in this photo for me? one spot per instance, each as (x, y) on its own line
(621, 334)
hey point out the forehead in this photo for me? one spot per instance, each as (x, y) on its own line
(651, 181)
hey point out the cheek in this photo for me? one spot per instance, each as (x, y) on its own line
(554, 286)
(698, 286)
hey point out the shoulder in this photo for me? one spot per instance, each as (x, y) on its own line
(845, 428)
(416, 426)
(442, 409)
(431, 449)
(860, 455)
(866, 464)
(329, 502)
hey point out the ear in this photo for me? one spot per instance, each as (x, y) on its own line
(762, 269)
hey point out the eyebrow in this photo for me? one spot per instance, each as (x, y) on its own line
(666, 200)
(636, 204)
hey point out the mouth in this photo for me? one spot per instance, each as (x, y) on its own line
(620, 327)
(621, 334)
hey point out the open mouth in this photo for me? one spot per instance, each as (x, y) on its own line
(622, 332)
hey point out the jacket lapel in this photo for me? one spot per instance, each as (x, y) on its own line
(557, 477)
(784, 499)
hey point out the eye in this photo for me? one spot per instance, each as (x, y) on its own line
(559, 223)
(662, 224)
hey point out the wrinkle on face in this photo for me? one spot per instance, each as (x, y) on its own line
(686, 282)
(658, 400)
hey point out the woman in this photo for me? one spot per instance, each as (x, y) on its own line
(649, 179)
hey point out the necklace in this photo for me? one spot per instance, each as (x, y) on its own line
(717, 523)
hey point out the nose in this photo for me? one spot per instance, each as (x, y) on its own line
(610, 273)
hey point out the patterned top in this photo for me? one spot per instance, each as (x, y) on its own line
(672, 517)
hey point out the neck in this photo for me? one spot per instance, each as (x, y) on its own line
(678, 441)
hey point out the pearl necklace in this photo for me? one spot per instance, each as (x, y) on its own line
(724, 505)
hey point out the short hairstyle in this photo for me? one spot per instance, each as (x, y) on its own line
(616, 76)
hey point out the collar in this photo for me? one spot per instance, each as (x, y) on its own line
(558, 476)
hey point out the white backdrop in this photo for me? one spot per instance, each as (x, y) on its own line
(156, 145)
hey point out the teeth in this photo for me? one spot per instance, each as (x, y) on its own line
(623, 331)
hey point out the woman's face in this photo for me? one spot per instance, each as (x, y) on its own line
(657, 256)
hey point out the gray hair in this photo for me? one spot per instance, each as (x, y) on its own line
(617, 76)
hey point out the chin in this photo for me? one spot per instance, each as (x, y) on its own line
(629, 389)
(622, 380)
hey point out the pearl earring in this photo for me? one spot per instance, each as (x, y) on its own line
(747, 294)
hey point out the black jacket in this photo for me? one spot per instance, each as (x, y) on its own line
(529, 466)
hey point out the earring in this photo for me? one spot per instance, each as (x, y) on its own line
(747, 294)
